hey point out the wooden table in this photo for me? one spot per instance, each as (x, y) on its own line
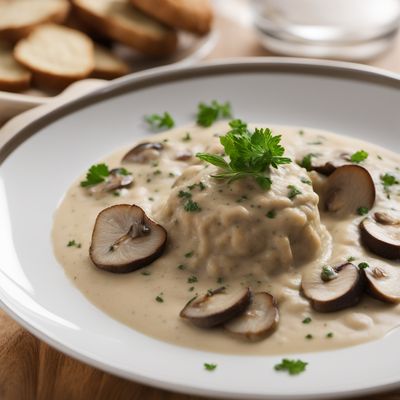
(31, 370)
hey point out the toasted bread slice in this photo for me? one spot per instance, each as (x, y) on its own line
(56, 55)
(13, 77)
(107, 65)
(122, 22)
(18, 18)
(190, 15)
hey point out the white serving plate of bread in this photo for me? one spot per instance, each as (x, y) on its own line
(46, 45)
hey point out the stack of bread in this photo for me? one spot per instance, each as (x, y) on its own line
(52, 43)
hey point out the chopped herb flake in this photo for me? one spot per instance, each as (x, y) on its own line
(329, 335)
(271, 214)
(208, 114)
(189, 254)
(73, 243)
(146, 273)
(309, 336)
(192, 206)
(157, 121)
(210, 367)
(351, 259)
(192, 279)
(293, 367)
(159, 299)
(294, 191)
(306, 181)
(362, 210)
(363, 265)
(306, 320)
(181, 267)
(359, 156)
(96, 174)
(306, 161)
(328, 273)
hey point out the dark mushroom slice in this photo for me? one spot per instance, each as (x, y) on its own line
(383, 283)
(258, 320)
(143, 153)
(118, 178)
(216, 307)
(184, 155)
(349, 188)
(382, 240)
(333, 289)
(125, 239)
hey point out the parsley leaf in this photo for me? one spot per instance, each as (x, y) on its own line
(359, 156)
(294, 191)
(208, 114)
(362, 210)
(210, 367)
(363, 265)
(96, 174)
(191, 206)
(306, 161)
(388, 180)
(293, 367)
(251, 154)
(159, 121)
(73, 243)
(306, 320)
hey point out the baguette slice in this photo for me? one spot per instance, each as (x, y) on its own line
(107, 65)
(190, 15)
(56, 56)
(18, 18)
(123, 23)
(13, 77)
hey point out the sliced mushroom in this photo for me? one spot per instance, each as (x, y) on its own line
(328, 167)
(258, 320)
(391, 217)
(348, 188)
(125, 239)
(342, 291)
(382, 240)
(143, 153)
(216, 307)
(383, 283)
(184, 155)
(117, 179)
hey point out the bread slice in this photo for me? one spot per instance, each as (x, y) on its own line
(13, 77)
(122, 22)
(20, 17)
(191, 15)
(56, 55)
(107, 65)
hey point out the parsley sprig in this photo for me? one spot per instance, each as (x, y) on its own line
(207, 114)
(251, 154)
(359, 156)
(99, 173)
(160, 121)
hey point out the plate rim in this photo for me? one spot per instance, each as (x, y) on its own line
(174, 73)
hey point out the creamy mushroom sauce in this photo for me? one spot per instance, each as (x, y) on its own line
(131, 298)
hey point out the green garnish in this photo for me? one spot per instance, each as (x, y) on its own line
(210, 367)
(306, 181)
(294, 191)
(191, 206)
(181, 267)
(350, 259)
(187, 137)
(96, 174)
(329, 335)
(388, 180)
(191, 289)
(359, 156)
(146, 273)
(328, 273)
(251, 154)
(271, 214)
(293, 367)
(208, 114)
(363, 265)
(362, 210)
(192, 279)
(159, 121)
(306, 320)
(159, 299)
(301, 132)
(73, 243)
(306, 161)
(189, 254)
(309, 336)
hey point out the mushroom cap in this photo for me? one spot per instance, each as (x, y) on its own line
(216, 308)
(258, 320)
(339, 293)
(125, 239)
(348, 188)
(383, 283)
(143, 152)
(382, 240)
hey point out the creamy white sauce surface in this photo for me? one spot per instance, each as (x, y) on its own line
(213, 255)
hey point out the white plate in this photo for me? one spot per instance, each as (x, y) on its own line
(50, 153)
